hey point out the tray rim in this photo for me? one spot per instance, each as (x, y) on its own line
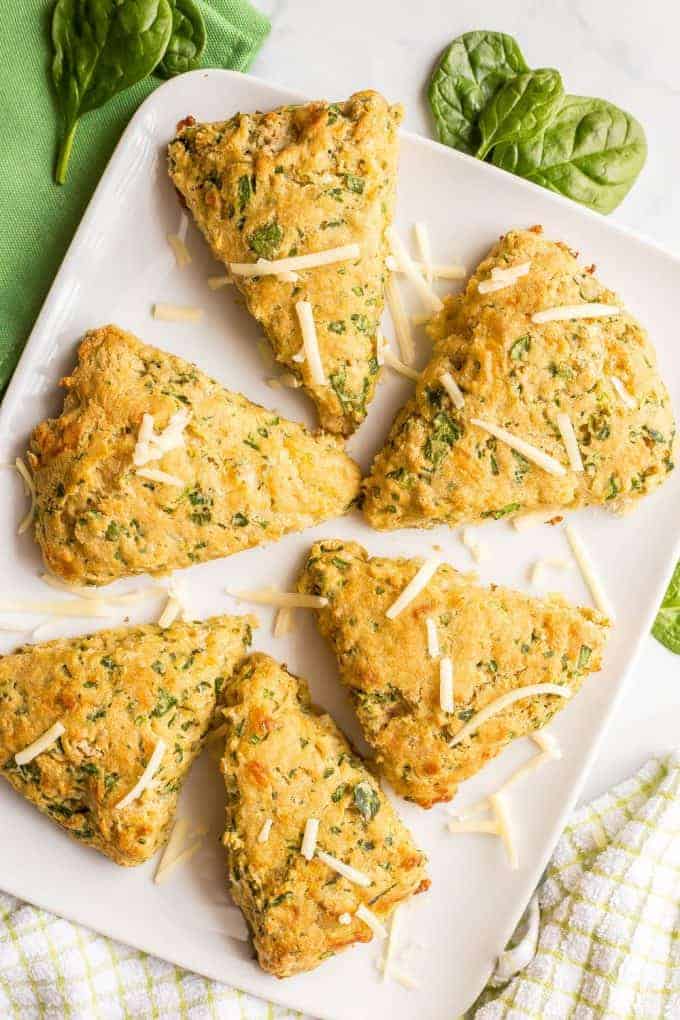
(111, 927)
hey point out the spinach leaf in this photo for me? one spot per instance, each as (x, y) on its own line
(366, 800)
(187, 40)
(470, 71)
(521, 109)
(100, 48)
(591, 152)
(666, 627)
(266, 239)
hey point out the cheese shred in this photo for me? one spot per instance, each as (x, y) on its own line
(286, 379)
(146, 777)
(171, 612)
(390, 948)
(162, 477)
(626, 398)
(587, 568)
(173, 855)
(504, 701)
(151, 445)
(422, 236)
(432, 637)
(84, 607)
(548, 743)
(502, 278)
(48, 738)
(284, 275)
(345, 253)
(179, 250)
(346, 870)
(402, 326)
(453, 390)
(150, 591)
(392, 361)
(380, 345)
(282, 599)
(592, 310)
(431, 300)
(373, 922)
(440, 271)
(414, 587)
(310, 342)
(29, 487)
(176, 313)
(535, 517)
(264, 832)
(217, 282)
(283, 622)
(499, 806)
(478, 550)
(543, 460)
(569, 439)
(164, 872)
(446, 701)
(308, 847)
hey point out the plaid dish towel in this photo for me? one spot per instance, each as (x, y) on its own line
(608, 946)
(609, 933)
(51, 969)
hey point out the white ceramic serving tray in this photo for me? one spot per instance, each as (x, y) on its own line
(119, 264)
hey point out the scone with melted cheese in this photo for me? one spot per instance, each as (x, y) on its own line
(440, 467)
(284, 763)
(235, 476)
(117, 694)
(498, 640)
(299, 180)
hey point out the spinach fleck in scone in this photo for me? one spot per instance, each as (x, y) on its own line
(296, 181)
(152, 465)
(439, 466)
(284, 764)
(131, 701)
(497, 640)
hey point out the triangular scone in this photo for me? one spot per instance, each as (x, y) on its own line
(285, 763)
(237, 475)
(117, 694)
(497, 640)
(299, 180)
(438, 467)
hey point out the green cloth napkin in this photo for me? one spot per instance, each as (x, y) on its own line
(39, 216)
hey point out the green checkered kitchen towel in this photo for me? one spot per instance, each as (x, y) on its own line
(608, 943)
(39, 216)
(608, 940)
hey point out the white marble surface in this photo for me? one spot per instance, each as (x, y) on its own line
(620, 50)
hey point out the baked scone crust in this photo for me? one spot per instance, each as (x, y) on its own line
(498, 640)
(116, 692)
(249, 475)
(286, 762)
(298, 180)
(437, 467)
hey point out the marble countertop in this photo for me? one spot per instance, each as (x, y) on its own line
(616, 49)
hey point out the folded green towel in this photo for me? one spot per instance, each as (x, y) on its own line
(39, 216)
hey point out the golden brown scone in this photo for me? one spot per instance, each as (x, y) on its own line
(248, 476)
(284, 763)
(116, 693)
(437, 467)
(498, 640)
(303, 179)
